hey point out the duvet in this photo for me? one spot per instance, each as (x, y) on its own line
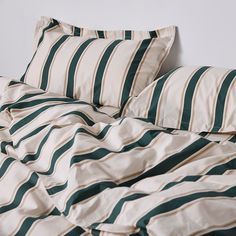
(68, 168)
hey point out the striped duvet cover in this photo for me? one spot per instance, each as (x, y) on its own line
(68, 168)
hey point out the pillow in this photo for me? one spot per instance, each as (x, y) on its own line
(101, 67)
(189, 98)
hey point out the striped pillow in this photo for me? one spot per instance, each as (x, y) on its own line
(189, 98)
(100, 67)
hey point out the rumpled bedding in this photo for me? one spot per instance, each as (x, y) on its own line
(69, 168)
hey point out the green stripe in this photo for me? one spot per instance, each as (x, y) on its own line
(233, 139)
(51, 25)
(66, 147)
(169, 163)
(35, 114)
(133, 69)
(20, 193)
(49, 60)
(28, 119)
(152, 111)
(39, 129)
(101, 34)
(118, 207)
(163, 168)
(190, 178)
(221, 169)
(22, 98)
(101, 69)
(220, 105)
(96, 188)
(75, 231)
(153, 34)
(222, 232)
(4, 145)
(95, 232)
(6, 165)
(73, 65)
(56, 189)
(128, 34)
(203, 134)
(178, 202)
(30, 135)
(187, 109)
(77, 158)
(29, 221)
(88, 121)
(77, 31)
(35, 156)
(98, 154)
(14, 82)
(32, 103)
(86, 193)
(36, 102)
(217, 170)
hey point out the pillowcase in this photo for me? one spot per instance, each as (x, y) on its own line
(189, 98)
(101, 67)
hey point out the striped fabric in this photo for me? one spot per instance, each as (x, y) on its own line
(69, 169)
(189, 98)
(100, 67)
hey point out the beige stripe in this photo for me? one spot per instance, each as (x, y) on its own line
(150, 96)
(126, 72)
(76, 95)
(227, 105)
(16, 189)
(86, 161)
(185, 206)
(194, 98)
(30, 122)
(195, 156)
(105, 71)
(215, 99)
(38, 48)
(221, 161)
(140, 67)
(183, 92)
(105, 34)
(54, 58)
(127, 106)
(95, 71)
(212, 227)
(110, 156)
(8, 169)
(87, 150)
(68, 66)
(157, 121)
(38, 215)
(166, 199)
(45, 59)
(126, 177)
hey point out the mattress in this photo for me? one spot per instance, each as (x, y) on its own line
(70, 168)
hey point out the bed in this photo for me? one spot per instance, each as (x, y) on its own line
(104, 166)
